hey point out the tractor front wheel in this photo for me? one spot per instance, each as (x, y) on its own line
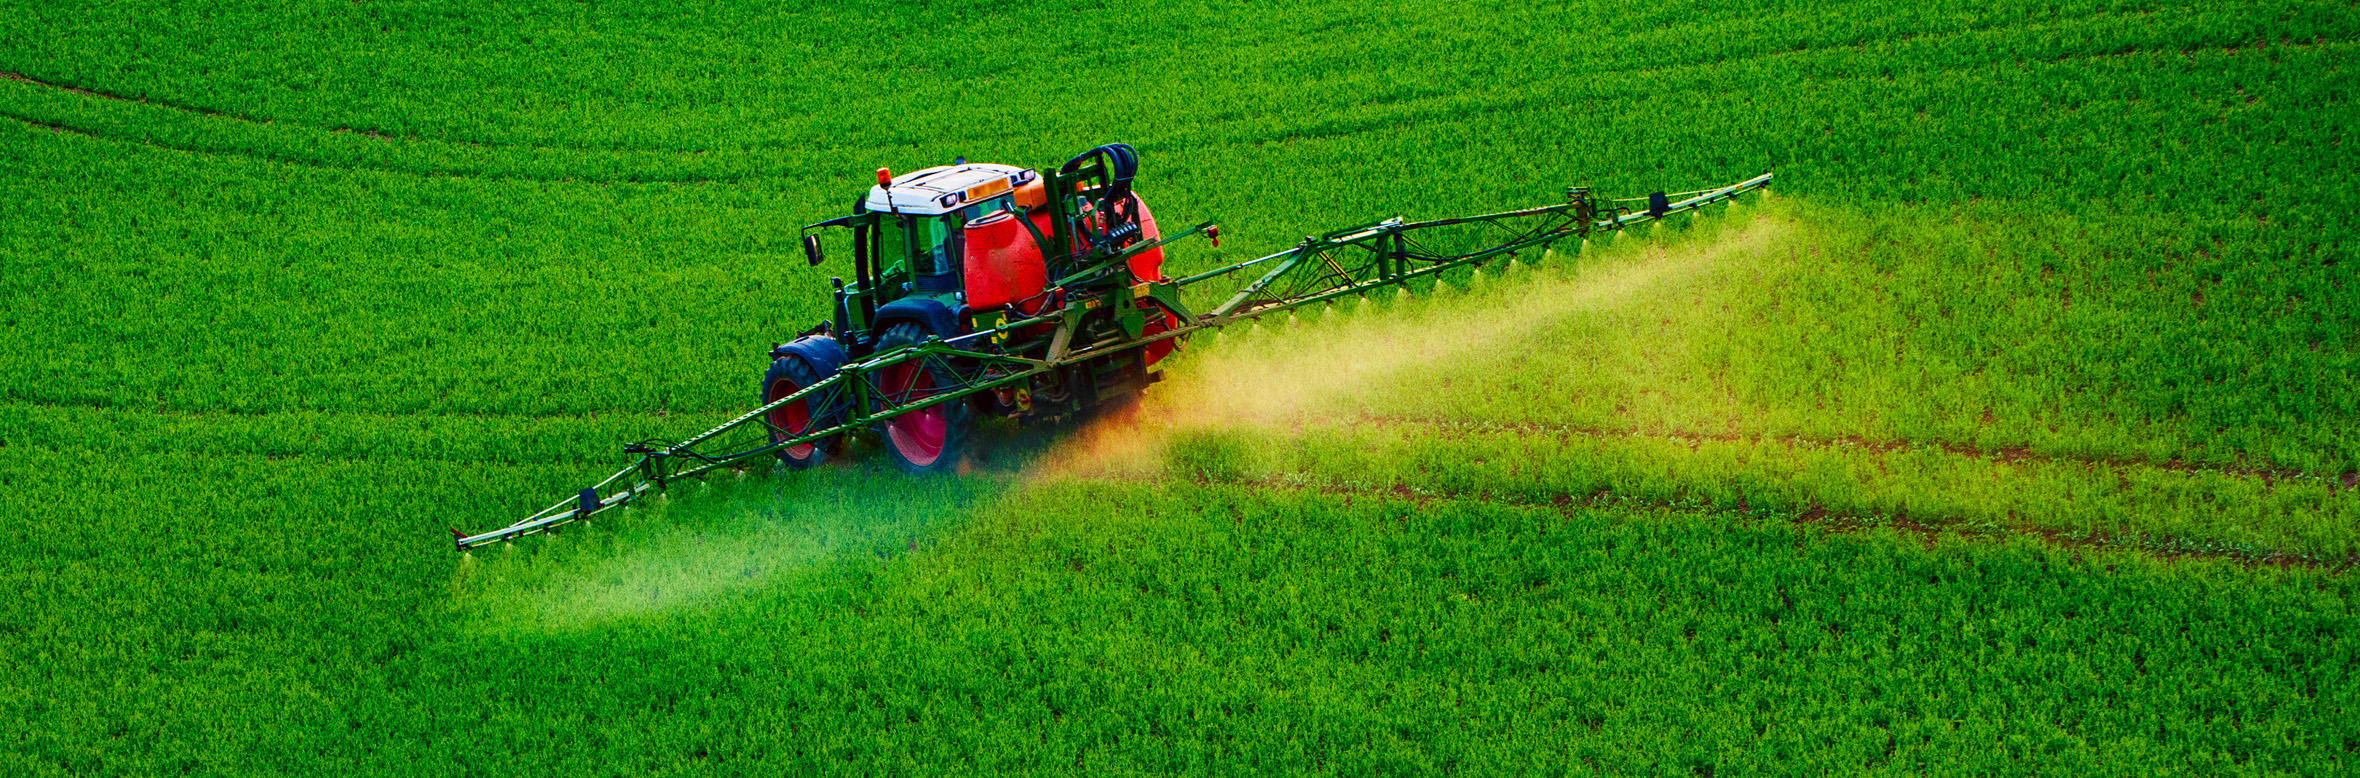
(787, 375)
(932, 439)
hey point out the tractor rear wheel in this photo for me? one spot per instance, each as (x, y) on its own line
(787, 375)
(930, 440)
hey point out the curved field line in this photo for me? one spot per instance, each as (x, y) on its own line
(368, 131)
(2167, 547)
(487, 175)
(1142, 453)
(2003, 455)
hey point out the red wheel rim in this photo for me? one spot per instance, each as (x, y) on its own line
(918, 435)
(794, 417)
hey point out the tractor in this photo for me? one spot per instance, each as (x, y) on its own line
(953, 250)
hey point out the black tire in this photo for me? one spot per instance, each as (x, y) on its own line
(786, 375)
(924, 442)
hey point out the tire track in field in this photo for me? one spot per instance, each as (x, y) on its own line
(1137, 453)
(384, 137)
(372, 132)
(2348, 480)
(1847, 522)
(424, 172)
(1130, 452)
(419, 141)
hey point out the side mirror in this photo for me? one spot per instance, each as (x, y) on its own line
(811, 250)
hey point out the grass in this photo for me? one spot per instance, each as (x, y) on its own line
(1211, 627)
(2014, 432)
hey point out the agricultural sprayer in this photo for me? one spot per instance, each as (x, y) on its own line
(1037, 295)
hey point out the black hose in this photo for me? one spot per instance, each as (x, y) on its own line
(1122, 164)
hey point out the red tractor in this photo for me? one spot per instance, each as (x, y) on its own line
(965, 248)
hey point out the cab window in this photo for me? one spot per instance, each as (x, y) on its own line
(938, 243)
(892, 246)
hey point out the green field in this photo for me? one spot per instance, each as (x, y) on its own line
(2017, 431)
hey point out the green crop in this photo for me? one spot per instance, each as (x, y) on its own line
(2016, 432)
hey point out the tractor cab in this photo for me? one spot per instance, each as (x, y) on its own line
(964, 247)
(959, 247)
(921, 219)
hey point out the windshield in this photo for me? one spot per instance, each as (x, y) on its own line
(938, 243)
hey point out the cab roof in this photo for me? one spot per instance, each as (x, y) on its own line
(939, 190)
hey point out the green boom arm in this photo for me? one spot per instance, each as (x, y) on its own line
(1350, 261)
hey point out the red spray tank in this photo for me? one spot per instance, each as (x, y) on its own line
(1003, 266)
